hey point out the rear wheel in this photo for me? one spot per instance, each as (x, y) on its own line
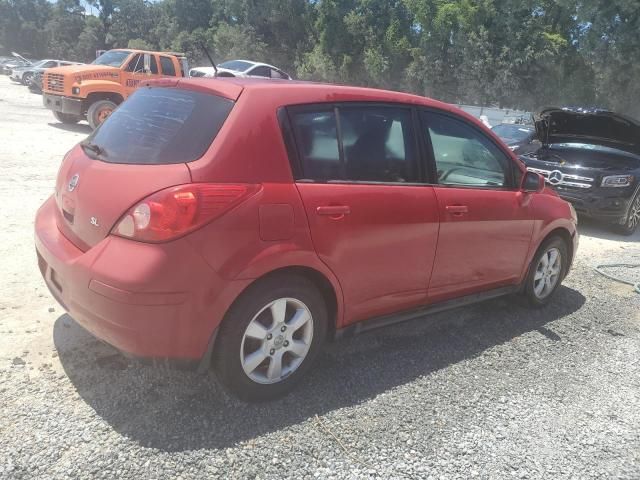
(548, 269)
(99, 111)
(270, 337)
(632, 220)
(67, 118)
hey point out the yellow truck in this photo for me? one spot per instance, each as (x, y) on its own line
(93, 91)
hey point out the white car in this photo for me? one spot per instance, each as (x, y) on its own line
(241, 68)
(25, 73)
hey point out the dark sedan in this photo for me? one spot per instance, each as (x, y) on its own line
(592, 158)
(519, 138)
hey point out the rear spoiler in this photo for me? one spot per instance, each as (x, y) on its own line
(222, 88)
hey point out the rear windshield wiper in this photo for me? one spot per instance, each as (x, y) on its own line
(93, 148)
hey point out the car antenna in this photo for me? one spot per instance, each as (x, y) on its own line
(206, 52)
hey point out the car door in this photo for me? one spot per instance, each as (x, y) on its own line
(136, 71)
(373, 220)
(485, 221)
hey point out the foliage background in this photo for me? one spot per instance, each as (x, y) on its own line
(513, 53)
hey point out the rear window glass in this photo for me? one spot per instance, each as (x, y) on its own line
(161, 126)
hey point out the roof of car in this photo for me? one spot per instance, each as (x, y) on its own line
(317, 92)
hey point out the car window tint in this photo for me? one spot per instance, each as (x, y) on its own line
(49, 64)
(154, 65)
(463, 155)
(277, 74)
(378, 144)
(317, 141)
(161, 126)
(167, 66)
(136, 64)
(261, 72)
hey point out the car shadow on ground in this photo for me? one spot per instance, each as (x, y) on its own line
(176, 410)
(592, 228)
(72, 127)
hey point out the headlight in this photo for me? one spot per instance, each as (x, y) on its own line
(75, 90)
(617, 181)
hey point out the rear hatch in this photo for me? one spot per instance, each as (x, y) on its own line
(141, 148)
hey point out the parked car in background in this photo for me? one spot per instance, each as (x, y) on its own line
(519, 138)
(592, 158)
(254, 219)
(35, 85)
(242, 69)
(24, 74)
(16, 62)
(95, 90)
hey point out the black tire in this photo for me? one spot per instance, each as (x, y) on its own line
(230, 339)
(67, 118)
(26, 79)
(97, 111)
(533, 297)
(630, 223)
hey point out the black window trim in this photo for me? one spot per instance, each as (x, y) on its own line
(293, 149)
(430, 155)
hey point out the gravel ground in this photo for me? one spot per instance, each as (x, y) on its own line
(491, 391)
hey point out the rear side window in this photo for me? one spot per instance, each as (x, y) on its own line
(261, 72)
(357, 143)
(161, 126)
(167, 66)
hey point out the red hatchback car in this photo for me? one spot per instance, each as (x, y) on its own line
(243, 222)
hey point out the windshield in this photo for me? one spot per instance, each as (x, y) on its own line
(237, 65)
(112, 58)
(159, 126)
(513, 132)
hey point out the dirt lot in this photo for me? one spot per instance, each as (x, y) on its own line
(492, 391)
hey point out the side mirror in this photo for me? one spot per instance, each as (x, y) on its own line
(532, 182)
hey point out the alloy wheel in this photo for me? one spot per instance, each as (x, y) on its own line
(276, 341)
(634, 214)
(547, 273)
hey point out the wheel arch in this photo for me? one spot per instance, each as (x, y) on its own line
(319, 279)
(95, 96)
(565, 235)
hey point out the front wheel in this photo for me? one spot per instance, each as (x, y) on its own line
(270, 337)
(548, 269)
(99, 111)
(26, 79)
(67, 118)
(632, 220)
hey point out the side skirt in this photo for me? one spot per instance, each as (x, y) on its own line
(385, 320)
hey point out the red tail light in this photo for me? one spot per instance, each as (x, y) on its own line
(175, 211)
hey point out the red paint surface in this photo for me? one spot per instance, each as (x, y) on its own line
(382, 248)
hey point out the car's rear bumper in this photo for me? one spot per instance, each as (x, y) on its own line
(147, 300)
(63, 104)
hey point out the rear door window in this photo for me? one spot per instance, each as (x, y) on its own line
(260, 72)
(160, 126)
(167, 66)
(356, 143)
